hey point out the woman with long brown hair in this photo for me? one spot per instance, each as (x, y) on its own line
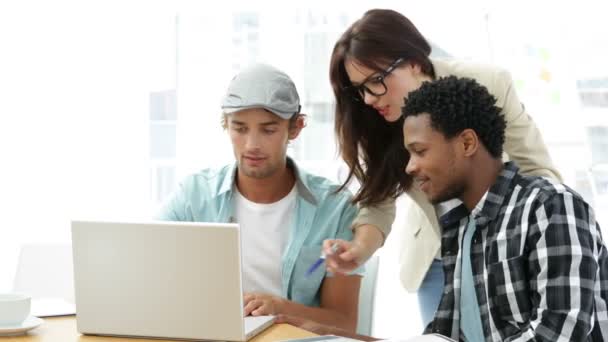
(375, 64)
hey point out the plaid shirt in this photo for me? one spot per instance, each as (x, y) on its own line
(539, 264)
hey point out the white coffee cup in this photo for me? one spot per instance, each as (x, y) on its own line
(14, 309)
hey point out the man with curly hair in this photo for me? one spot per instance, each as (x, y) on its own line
(523, 256)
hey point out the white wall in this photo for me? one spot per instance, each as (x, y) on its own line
(74, 107)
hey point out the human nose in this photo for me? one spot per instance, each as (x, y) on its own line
(369, 98)
(252, 141)
(412, 167)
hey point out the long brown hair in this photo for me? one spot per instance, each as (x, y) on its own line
(372, 147)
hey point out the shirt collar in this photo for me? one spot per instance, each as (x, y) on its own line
(489, 205)
(302, 181)
(493, 200)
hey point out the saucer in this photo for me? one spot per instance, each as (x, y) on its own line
(20, 329)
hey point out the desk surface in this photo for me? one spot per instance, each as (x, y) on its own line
(63, 329)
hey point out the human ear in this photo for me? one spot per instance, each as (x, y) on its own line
(294, 130)
(469, 141)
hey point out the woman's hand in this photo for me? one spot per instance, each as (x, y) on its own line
(348, 256)
(352, 254)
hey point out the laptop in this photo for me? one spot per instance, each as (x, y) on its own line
(173, 280)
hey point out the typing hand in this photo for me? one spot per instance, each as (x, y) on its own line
(260, 304)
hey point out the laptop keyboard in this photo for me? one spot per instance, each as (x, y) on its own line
(252, 323)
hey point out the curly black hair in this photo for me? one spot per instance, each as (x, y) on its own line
(455, 104)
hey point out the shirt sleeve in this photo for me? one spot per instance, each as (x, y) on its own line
(563, 267)
(523, 141)
(174, 208)
(380, 215)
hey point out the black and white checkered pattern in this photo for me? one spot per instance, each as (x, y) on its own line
(539, 262)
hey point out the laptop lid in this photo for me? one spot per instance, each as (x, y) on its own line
(159, 279)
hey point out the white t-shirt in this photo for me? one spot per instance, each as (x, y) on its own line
(264, 233)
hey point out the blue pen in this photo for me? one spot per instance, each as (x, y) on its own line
(313, 267)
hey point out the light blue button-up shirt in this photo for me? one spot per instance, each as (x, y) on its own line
(208, 196)
(470, 322)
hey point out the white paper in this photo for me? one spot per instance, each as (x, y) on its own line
(46, 307)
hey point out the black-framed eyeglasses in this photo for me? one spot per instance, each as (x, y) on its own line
(373, 84)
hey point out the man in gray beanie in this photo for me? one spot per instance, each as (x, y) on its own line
(284, 213)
